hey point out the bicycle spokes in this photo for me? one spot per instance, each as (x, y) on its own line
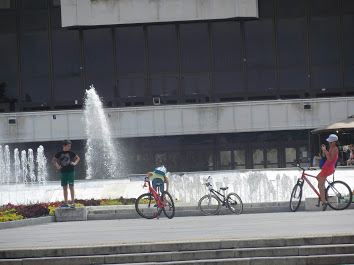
(338, 195)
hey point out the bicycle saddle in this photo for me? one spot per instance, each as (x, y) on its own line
(224, 188)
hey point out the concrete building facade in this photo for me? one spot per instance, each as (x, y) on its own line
(195, 85)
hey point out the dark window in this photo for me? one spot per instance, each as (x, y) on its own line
(228, 82)
(143, 161)
(55, 19)
(348, 6)
(200, 161)
(7, 21)
(68, 90)
(258, 158)
(104, 86)
(34, 53)
(292, 42)
(8, 91)
(225, 160)
(259, 43)
(56, 3)
(348, 39)
(265, 8)
(33, 4)
(131, 87)
(130, 50)
(66, 53)
(7, 4)
(162, 43)
(8, 56)
(262, 81)
(227, 51)
(196, 84)
(34, 20)
(323, 7)
(98, 51)
(240, 158)
(349, 76)
(164, 86)
(272, 158)
(36, 91)
(195, 55)
(325, 77)
(290, 8)
(325, 40)
(293, 79)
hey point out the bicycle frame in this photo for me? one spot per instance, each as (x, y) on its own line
(304, 177)
(218, 195)
(154, 193)
(215, 192)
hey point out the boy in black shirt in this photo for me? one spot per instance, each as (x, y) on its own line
(65, 161)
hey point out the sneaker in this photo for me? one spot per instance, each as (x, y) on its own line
(64, 205)
(72, 205)
(324, 206)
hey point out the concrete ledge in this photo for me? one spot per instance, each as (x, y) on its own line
(70, 214)
(310, 205)
(25, 222)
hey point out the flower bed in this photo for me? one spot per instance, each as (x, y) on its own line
(10, 212)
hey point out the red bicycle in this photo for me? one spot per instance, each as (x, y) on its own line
(338, 193)
(150, 205)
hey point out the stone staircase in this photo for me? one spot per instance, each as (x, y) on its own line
(292, 250)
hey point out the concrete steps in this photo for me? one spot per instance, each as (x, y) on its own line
(304, 250)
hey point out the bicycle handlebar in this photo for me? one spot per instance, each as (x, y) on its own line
(298, 165)
(207, 182)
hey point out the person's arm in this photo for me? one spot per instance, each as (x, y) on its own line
(333, 153)
(54, 161)
(149, 174)
(166, 180)
(76, 160)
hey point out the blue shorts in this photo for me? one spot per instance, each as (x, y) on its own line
(155, 182)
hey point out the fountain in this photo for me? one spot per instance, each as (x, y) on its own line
(102, 159)
(19, 182)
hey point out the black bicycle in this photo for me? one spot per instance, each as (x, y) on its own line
(211, 204)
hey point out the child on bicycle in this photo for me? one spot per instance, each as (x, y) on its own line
(159, 176)
(328, 167)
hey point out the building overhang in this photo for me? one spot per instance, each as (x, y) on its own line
(84, 13)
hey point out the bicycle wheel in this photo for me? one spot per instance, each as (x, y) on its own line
(169, 209)
(295, 198)
(234, 203)
(209, 205)
(338, 195)
(145, 206)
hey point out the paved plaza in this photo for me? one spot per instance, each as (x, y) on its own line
(191, 228)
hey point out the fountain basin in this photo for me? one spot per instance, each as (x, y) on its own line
(253, 186)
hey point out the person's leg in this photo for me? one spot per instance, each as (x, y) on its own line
(72, 193)
(162, 187)
(154, 184)
(71, 180)
(64, 184)
(321, 182)
(65, 191)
